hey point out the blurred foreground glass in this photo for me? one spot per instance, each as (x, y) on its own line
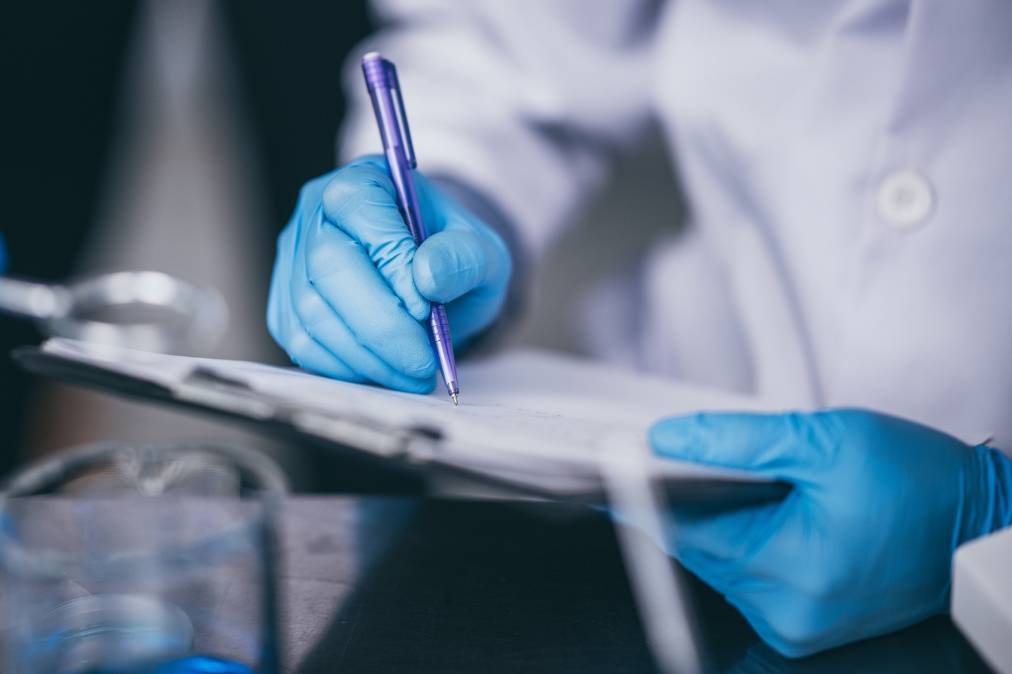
(138, 560)
(145, 310)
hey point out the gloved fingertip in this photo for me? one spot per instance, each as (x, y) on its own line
(424, 370)
(446, 266)
(409, 295)
(412, 359)
(675, 437)
(403, 285)
(418, 308)
(423, 270)
(422, 386)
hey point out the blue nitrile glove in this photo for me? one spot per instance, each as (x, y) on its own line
(862, 544)
(351, 290)
(3, 255)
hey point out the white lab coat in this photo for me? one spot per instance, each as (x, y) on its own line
(848, 166)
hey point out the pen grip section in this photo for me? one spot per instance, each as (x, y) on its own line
(440, 325)
(443, 343)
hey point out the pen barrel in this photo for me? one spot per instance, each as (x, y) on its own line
(441, 340)
(381, 81)
(407, 194)
(388, 105)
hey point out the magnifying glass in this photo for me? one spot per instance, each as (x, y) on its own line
(145, 310)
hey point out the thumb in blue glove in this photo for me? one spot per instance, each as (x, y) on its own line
(862, 544)
(351, 288)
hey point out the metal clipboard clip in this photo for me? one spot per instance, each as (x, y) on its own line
(207, 388)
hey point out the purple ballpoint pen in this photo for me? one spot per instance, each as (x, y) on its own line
(387, 103)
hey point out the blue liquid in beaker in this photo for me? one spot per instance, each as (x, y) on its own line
(193, 664)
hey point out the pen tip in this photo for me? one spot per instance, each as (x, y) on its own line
(455, 399)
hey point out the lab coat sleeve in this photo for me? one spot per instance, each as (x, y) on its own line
(523, 101)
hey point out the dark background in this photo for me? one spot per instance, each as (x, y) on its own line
(61, 67)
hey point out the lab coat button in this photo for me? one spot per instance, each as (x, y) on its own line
(905, 199)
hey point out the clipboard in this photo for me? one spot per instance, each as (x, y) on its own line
(636, 484)
(412, 449)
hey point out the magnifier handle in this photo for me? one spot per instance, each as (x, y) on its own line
(28, 299)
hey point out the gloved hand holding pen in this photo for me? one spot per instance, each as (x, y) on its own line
(863, 543)
(350, 287)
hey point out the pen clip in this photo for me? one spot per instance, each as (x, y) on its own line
(402, 120)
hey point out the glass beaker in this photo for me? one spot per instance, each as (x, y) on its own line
(135, 559)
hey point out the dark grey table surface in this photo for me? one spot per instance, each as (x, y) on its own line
(401, 585)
